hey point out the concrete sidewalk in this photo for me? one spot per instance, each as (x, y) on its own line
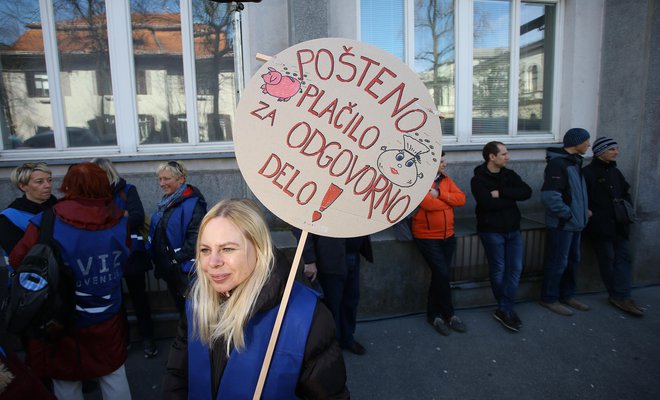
(598, 354)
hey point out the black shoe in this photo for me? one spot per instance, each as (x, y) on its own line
(356, 348)
(516, 319)
(506, 319)
(149, 348)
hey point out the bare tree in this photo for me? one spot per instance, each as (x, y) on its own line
(436, 17)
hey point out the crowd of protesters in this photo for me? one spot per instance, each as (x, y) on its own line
(225, 277)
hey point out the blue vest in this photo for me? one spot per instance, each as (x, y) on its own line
(19, 218)
(97, 260)
(137, 241)
(180, 218)
(241, 373)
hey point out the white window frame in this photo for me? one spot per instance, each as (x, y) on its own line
(122, 66)
(463, 34)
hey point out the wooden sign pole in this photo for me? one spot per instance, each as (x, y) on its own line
(280, 316)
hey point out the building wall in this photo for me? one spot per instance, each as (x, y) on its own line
(629, 112)
(609, 85)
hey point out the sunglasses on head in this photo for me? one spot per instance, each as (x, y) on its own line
(176, 166)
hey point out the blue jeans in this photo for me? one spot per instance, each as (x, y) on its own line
(438, 254)
(561, 261)
(341, 294)
(615, 264)
(504, 252)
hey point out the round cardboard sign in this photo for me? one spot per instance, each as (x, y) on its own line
(337, 137)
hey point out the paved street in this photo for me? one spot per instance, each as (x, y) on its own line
(599, 354)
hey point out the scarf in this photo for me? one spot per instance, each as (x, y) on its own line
(165, 202)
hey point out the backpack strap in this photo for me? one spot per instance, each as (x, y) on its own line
(47, 226)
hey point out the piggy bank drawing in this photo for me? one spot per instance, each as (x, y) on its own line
(277, 85)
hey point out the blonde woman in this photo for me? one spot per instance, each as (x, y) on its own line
(230, 313)
(36, 182)
(173, 229)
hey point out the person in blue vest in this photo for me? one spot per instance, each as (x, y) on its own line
(91, 236)
(173, 229)
(127, 198)
(230, 312)
(36, 182)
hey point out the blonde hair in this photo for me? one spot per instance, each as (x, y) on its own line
(177, 168)
(109, 168)
(21, 175)
(214, 315)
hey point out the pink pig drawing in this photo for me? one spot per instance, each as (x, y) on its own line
(276, 85)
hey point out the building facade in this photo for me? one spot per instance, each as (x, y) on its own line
(142, 81)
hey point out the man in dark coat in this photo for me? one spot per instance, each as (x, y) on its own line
(608, 189)
(497, 189)
(336, 264)
(564, 195)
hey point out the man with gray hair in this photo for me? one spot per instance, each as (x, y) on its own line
(608, 229)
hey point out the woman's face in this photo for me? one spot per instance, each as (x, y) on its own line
(225, 255)
(39, 187)
(168, 183)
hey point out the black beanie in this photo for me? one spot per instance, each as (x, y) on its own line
(575, 136)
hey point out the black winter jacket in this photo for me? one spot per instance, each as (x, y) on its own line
(138, 262)
(11, 234)
(329, 253)
(604, 183)
(498, 214)
(323, 374)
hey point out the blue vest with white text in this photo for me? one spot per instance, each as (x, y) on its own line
(96, 259)
(241, 373)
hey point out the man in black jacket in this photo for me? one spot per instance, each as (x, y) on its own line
(496, 190)
(607, 189)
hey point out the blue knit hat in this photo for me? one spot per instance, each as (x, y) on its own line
(602, 144)
(575, 136)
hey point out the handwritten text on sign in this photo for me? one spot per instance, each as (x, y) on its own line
(337, 137)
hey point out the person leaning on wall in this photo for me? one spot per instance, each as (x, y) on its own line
(173, 230)
(497, 189)
(127, 198)
(433, 232)
(609, 231)
(564, 195)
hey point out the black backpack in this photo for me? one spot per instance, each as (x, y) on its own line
(41, 295)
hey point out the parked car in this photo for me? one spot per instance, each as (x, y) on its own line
(78, 137)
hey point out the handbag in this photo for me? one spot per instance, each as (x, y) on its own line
(624, 213)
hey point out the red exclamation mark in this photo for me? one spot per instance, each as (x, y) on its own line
(330, 196)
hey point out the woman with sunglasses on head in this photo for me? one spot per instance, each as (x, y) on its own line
(173, 229)
(36, 182)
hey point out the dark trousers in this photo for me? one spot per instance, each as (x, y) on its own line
(137, 290)
(342, 295)
(438, 254)
(177, 285)
(615, 264)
